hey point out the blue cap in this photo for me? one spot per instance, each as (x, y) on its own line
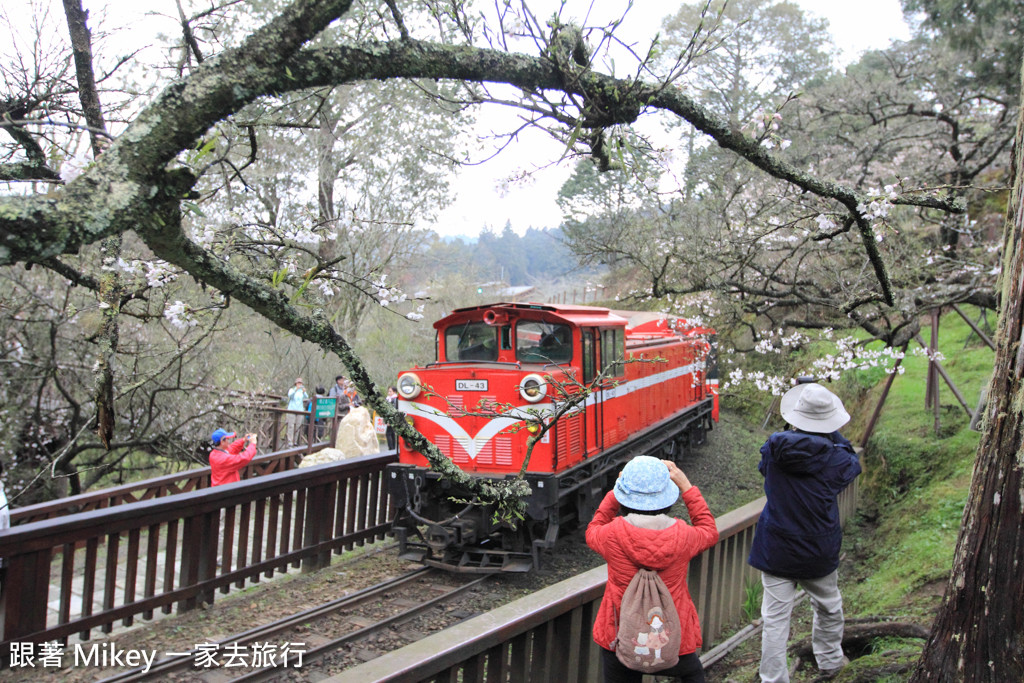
(220, 434)
(646, 485)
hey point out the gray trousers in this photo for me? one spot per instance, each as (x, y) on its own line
(294, 423)
(776, 608)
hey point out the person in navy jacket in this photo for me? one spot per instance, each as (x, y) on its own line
(798, 537)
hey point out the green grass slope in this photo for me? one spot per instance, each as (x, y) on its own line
(917, 478)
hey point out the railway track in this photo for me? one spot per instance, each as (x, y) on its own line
(323, 630)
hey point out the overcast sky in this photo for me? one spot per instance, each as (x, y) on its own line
(485, 198)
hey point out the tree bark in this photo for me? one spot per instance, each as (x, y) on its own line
(110, 247)
(978, 634)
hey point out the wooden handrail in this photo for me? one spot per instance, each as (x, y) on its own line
(180, 549)
(518, 639)
(170, 484)
(185, 481)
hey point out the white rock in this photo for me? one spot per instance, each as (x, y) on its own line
(356, 435)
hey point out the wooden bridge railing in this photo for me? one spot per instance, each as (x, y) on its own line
(546, 636)
(183, 482)
(126, 561)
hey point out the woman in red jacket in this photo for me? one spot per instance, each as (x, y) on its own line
(632, 529)
(226, 463)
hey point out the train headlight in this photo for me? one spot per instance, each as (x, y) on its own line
(409, 386)
(533, 388)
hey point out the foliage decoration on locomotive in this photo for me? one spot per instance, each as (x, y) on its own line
(635, 383)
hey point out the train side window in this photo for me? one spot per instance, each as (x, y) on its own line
(589, 355)
(613, 351)
(506, 338)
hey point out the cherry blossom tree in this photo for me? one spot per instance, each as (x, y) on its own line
(148, 180)
(899, 119)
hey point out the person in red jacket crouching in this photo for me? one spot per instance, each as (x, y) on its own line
(632, 529)
(225, 464)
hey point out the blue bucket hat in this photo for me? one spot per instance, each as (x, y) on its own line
(219, 435)
(645, 485)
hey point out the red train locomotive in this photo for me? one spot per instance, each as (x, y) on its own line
(494, 364)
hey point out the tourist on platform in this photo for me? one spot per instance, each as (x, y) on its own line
(798, 537)
(319, 393)
(389, 433)
(632, 529)
(338, 392)
(353, 396)
(297, 398)
(227, 459)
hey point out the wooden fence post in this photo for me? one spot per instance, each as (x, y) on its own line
(318, 517)
(335, 424)
(929, 386)
(28, 576)
(275, 432)
(941, 372)
(199, 540)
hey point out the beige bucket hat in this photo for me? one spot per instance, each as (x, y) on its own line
(813, 408)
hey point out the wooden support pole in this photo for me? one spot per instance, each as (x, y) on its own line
(869, 430)
(977, 330)
(949, 382)
(929, 387)
(933, 350)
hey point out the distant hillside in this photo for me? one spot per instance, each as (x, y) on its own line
(538, 256)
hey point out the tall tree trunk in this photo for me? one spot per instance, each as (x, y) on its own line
(978, 634)
(110, 248)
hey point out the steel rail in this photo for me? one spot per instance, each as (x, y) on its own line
(265, 631)
(332, 645)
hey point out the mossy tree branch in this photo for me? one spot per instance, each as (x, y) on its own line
(113, 195)
(169, 242)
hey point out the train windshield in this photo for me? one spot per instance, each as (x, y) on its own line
(471, 341)
(540, 342)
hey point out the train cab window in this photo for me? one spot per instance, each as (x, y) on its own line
(471, 341)
(613, 351)
(589, 351)
(540, 342)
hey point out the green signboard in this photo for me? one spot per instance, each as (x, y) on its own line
(325, 408)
